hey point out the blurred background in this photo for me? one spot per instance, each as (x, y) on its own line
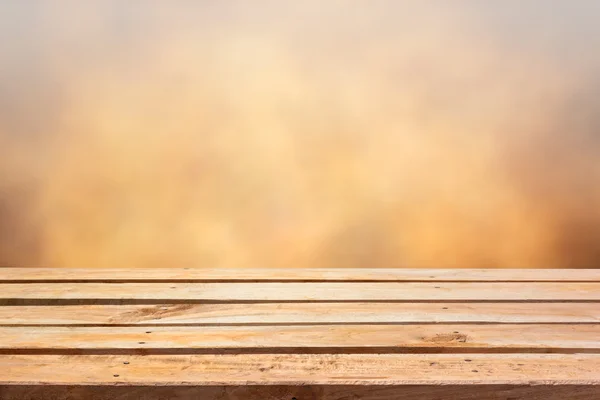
(334, 133)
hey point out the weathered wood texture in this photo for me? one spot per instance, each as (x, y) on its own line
(298, 275)
(312, 334)
(304, 291)
(302, 313)
(306, 338)
(298, 369)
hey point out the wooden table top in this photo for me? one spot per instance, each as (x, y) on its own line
(299, 333)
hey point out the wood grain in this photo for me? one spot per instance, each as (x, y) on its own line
(320, 291)
(302, 313)
(321, 334)
(302, 339)
(300, 274)
(307, 369)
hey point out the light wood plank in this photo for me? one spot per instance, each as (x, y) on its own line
(330, 291)
(303, 392)
(299, 274)
(302, 313)
(337, 338)
(311, 369)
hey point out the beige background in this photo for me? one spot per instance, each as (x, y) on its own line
(300, 133)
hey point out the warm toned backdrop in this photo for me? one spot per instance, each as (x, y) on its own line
(300, 133)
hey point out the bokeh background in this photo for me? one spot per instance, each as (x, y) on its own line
(333, 133)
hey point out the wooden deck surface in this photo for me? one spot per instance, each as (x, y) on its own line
(303, 334)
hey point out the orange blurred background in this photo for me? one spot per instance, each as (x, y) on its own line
(300, 134)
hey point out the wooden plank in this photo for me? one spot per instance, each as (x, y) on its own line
(335, 338)
(301, 313)
(329, 291)
(311, 369)
(308, 274)
(303, 392)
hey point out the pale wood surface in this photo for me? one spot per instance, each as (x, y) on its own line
(294, 369)
(320, 334)
(308, 291)
(310, 274)
(347, 338)
(301, 313)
